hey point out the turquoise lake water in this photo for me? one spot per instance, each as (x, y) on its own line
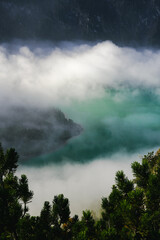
(121, 120)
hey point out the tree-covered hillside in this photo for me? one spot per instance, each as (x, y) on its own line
(130, 212)
(42, 131)
(126, 22)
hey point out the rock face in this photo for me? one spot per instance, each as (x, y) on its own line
(122, 21)
(35, 132)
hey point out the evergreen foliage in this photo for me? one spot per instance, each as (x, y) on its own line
(130, 212)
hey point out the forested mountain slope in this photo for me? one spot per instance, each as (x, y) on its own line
(40, 131)
(125, 22)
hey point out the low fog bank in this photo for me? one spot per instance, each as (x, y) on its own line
(46, 75)
(83, 184)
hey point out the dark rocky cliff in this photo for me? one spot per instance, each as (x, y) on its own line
(122, 21)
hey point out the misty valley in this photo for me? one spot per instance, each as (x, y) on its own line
(79, 120)
(76, 113)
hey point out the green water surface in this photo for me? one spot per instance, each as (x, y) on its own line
(124, 119)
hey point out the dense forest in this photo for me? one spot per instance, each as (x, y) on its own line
(131, 211)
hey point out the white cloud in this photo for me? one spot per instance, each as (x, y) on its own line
(57, 75)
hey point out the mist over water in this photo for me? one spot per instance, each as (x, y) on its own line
(112, 92)
(124, 120)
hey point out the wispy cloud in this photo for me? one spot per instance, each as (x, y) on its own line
(50, 75)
